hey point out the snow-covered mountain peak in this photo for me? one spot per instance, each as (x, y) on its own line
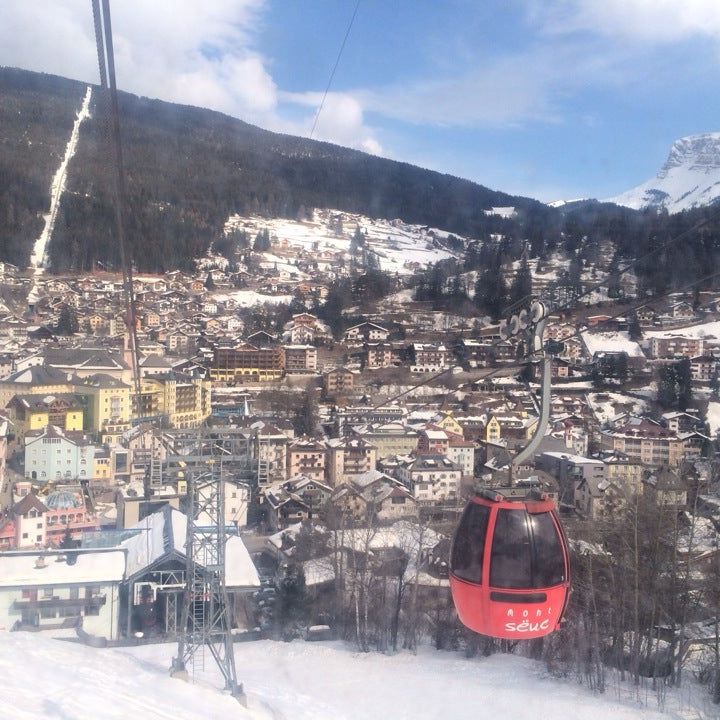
(701, 152)
(689, 178)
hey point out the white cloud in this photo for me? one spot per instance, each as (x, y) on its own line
(649, 20)
(341, 120)
(507, 90)
(198, 52)
(514, 89)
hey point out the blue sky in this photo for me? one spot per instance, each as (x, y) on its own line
(548, 98)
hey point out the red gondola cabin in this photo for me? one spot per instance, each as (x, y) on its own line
(509, 567)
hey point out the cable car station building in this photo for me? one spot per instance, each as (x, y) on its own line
(152, 591)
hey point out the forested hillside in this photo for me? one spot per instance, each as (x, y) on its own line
(36, 118)
(188, 169)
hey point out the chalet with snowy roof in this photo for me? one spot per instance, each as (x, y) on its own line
(382, 355)
(304, 329)
(477, 353)
(431, 478)
(681, 311)
(262, 338)
(430, 358)
(666, 487)
(306, 456)
(373, 495)
(432, 440)
(704, 368)
(365, 332)
(298, 499)
(348, 457)
(682, 422)
(180, 340)
(151, 594)
(390, 438)
(50, 590)
(282, 509)
(649, 442)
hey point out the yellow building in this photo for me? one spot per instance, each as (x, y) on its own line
(36, 412)
(102, 467)
(36, 380)
(493, 430)
(518, 426)
(108, 406)
(183, 399)
(450, 424)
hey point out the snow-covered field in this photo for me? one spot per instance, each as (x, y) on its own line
(704, 330)
(249, 298)
(399, 246)
(43, 679)
(609, 406)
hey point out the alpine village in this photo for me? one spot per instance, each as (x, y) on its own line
(361, 359)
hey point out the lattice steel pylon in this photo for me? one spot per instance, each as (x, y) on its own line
(205, 619)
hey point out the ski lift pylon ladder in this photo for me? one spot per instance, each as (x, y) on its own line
(205, 620)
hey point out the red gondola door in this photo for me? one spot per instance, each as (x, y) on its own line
(509, 568)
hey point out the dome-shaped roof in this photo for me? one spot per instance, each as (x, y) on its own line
(62, 499)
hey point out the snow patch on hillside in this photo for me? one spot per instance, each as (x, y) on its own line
(713, 418)
(250, 298)
(561, 203)
(704, 330)
(38, 259)
(325, 239)
(610, 406)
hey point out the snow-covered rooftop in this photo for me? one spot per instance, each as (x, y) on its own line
(20, 568)
(703, 330)
(611, 342)
(165, 531)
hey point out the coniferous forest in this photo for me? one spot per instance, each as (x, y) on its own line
(188, 169)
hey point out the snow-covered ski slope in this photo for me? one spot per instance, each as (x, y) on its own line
(39, 253)
(400, 247)
(45, 679)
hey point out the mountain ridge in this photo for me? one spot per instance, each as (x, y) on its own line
(190, 168)
(689, 178)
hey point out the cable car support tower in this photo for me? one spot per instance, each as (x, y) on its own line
(206, 611)
(205, 619)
